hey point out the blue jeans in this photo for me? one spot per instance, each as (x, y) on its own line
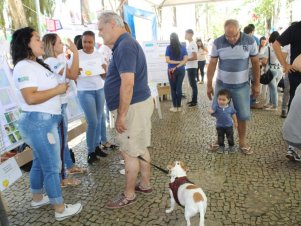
(192, 74)
(201, 66)
(103, 131)
(92, 103)
(176, 87)
(63, 133)
(240, 95)
(277, 74)
(40, 132)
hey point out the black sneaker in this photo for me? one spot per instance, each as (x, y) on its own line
(283, 114)
(72, 155)
(192, 104)
(92, 158)
(100, 152)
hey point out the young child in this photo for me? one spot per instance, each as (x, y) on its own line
(225, 119)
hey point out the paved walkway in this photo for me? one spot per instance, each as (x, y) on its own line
(261, 189)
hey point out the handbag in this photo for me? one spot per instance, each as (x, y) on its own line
(267, 77)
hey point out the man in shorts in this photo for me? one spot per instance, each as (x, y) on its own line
(233, 50)
(128, 96)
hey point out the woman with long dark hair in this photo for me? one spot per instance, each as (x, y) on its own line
(39, 96)
(201, 55)
(176, 57)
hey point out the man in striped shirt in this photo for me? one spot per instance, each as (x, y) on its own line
(233, 50)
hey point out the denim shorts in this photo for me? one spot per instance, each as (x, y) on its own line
(240, 95)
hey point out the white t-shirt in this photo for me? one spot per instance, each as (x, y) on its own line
(273, 59)
(28, 73)
(192, 48)
(106, 53)
(90, 78)
(56, 65)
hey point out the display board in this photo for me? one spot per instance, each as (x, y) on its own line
(9, 109)
(155, 57)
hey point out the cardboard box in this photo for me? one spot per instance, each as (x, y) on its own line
(24, 157)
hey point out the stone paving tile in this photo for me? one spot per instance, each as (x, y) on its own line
(261, 189)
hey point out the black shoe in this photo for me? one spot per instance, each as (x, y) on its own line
(192, 104)
(100, 152)
(72, 155)
(92, 158)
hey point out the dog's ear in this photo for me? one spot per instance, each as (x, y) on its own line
(183, 165)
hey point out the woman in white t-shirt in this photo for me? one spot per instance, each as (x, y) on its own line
(270, 56)
(91, 94)
(54, 57)
(201, 55)
(39, 96)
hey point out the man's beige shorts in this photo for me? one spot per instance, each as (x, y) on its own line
(135, 140)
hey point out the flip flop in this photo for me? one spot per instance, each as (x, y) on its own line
(246, 150)
(109, 145)
(213, 147)
(76, 170)
(70, 182)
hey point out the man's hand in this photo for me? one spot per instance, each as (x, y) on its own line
(120, 124)
(210, 92)
(255, 90)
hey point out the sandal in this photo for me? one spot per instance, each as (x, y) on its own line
(213, 147)
(246, 150)
(76, 170)
(70, 182)
(108, 145)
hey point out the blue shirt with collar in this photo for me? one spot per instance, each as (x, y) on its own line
(223, 115)
(127, 57)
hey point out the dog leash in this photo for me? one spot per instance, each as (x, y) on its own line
(158, 167)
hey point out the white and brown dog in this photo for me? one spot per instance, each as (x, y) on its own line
(185, 193)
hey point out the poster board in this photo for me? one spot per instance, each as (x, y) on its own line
(9, 109)
(155, 58)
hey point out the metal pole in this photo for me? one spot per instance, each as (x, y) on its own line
(38, 10)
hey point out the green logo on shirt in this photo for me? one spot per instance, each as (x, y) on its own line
(23, 79)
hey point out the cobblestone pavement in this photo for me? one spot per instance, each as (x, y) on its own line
(260, 189)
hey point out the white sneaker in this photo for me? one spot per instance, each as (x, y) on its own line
(179, 109)
(173, 109)
(43, 202)
(69, 211)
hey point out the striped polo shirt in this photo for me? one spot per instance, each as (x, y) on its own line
(233, 67)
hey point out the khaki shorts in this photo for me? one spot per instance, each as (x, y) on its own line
(135, 140)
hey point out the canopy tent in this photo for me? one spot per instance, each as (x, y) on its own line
(162, 3)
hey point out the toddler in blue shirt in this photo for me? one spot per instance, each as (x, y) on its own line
(225, 115)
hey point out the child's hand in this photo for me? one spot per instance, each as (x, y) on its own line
(235, 124)
(210, 111)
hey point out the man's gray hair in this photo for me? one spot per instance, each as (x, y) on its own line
(108, 16)
(232, 22)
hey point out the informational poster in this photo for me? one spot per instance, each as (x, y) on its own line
(155, 57)
(9, 173)
(9, 110)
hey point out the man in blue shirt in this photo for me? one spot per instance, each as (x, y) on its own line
(128, 96)
(233, 51)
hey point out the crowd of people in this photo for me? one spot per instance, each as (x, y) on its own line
(118, 78)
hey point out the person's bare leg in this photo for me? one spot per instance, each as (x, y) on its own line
(242, 133)
(37, 197)
(131, 173)
(145, 170)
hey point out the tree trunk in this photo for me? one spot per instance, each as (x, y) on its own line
(17, 12)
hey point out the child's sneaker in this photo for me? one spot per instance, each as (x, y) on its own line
(292, 154)
(231, 150)
(221, 150)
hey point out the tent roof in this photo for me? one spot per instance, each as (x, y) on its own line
(162, 3)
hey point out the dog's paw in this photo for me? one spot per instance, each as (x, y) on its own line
(168, 210)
